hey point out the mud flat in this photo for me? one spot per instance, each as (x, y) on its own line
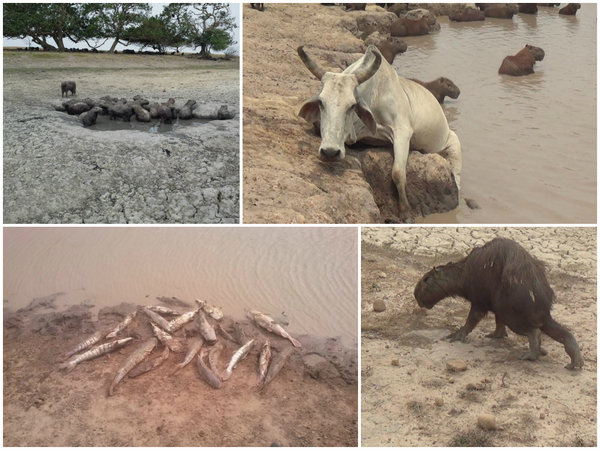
(313, 401)
(56, 171)
(416, 401)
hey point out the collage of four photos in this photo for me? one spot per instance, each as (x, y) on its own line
(300, 225)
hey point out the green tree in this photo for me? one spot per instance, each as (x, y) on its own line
(153, 33)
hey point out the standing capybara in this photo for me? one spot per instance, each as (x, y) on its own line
(466, 15)
(528, 8)
(67, 86)
(506, 11)
(440, 88)
(391, 47)
(522, 63)
(409, 27)
(503, 278)
(570, 9)
(258, 6)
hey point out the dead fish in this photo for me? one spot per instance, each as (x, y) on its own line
(266, 322)
(173, 301)
(213, 358)
(206, 373)
(263, 362)
(240, 336)
(82, 346)
(213, 311)
(165, 338)
(158, 320)
(193, 350)
(147, 366)
(236, 358)
(128, 319)
(95, 352)
(206, 329)
(163, 310)
(277, 364)
(133, 360)
(180, 321)
(224, 333)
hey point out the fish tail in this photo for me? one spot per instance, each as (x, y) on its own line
(111, 389)
(67, 367)
(177, 369)
(225, 375)
(295, 343)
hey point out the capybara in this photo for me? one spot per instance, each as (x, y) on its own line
(258, 6)
(466, 15)
(165, 114)
(440, 88)
(67, 86)
(528, 8)
(503, 278)
(506, 11)
(186, 111)
(408, 27)
(391, 47)
(522, 63)
(141, 114)
(77, 108)
(89, 118)
(120, 110)
(570, 9)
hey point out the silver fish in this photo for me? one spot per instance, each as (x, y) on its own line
(206, 373)
(263, 362)
(147, 366)
(133, 360)
(158, 320)
(128, 319)
(236, 358)
(167, 339)
(95, 352)
(212, 311)
(277, 364)
(193, 350)
(180, 321)
(213, 358)
(206, 329)
(82, 345)
(266, 322)
(163, 310)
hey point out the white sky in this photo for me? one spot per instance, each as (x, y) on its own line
(156, 9)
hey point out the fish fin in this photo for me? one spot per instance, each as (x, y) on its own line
(295, 343)
(67, 367)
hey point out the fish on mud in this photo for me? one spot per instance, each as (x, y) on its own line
(206, 373)
(165, 338)
(263, 362)
(206, 329)
(240, 336)
(163, 310)
(147, 366)
(193, 350)
(95, 352)
(158, 320)
(266, 322)
(180, 321)
(94, 338)
(277, 364)
(213, 358)
(224, 333)
(236, 358)
(128, 319)
(213, 311)
(173, 301)
(132, 360)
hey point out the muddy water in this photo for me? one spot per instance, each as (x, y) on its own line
(305, 276)
(529, 143)
(103, 123)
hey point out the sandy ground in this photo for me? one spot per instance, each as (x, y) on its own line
(313, 401)
(55, 171)
(535, 403)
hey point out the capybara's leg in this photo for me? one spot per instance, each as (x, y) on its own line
(499, 332)
(535, 342)
(560, 334)
(401, 148)
(472, 320)
(453, 154)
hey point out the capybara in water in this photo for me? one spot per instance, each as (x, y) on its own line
(522, 63)
(186, 111)
(570, 9)
(503, 278)
(165, 114)
(440, 88)
(76, 108)
(528, 8)
(356, 6)
(506, 11)
(466, 15)
(120, 110)
(391, 47)
(141, 114)
(89, 118)
(408, 27)
(67, 86)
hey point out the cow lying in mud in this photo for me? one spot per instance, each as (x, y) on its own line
(503, 278)
(369, 102)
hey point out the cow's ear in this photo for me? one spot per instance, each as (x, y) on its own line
(310, 110)
(365, 114)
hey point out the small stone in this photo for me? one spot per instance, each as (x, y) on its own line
(419, 311)
(387, 345)
(439, 401)
(486, 380)
(456, 365)
(450, 380)
(542, 416)
(395, 362)
(475, 387)
(379, 306)
(487, 421)
(382, 275)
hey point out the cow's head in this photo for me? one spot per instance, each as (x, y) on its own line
(336, 104)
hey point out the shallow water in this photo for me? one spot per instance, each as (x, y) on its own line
(306, 276)
(529, 143)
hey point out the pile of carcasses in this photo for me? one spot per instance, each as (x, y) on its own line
(205, 346)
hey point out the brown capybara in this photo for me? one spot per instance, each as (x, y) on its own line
(570, 9)
(356, 6)
(391, 47)
(409, 27)
(466, 15)
(503, 278)
(440, 88)
(522, 63)
(506, 11)
(258, 6)
(66, 86)
(528, 8)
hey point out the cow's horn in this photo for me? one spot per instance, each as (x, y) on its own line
(310, 64)
(364, 73)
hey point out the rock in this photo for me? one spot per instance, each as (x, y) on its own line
(451, 380)
(211, 111)
(456, 366)
(542, 416)
(375, 21)
(472, 204)
(439, 401)
(379, 306)
(374, 38)
(395, 362)
(475, 387)
(382, 275)
(487, 421)
(318, 367)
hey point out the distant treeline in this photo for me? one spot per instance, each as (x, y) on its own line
(204, 26)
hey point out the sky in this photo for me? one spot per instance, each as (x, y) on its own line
(156, 9)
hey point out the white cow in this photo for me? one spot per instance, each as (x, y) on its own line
(369, 102)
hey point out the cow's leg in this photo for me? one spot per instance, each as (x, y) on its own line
(452, 153)
(401, 148)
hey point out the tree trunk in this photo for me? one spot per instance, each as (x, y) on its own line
(43, 44)
(112, 48)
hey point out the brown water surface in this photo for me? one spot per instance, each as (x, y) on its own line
(529, 143)
(305, 276)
